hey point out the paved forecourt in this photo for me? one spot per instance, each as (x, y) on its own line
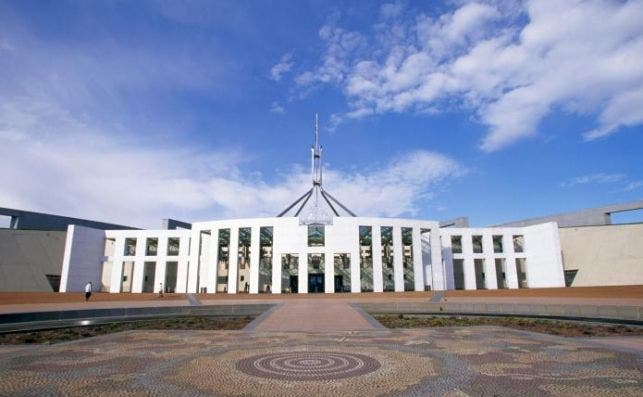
(317, 345)
(472, 361)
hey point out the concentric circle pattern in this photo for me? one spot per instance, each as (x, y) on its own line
(308, 365)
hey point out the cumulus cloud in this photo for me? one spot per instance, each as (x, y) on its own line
(340, 45)
(73, 140)
(591, 179)
(275, 107)
(631, 186)
(510, 64)
(281, 68)
(80, 171)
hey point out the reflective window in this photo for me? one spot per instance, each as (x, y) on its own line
(149, 269)
(265, 259)
(130, 247)
(497, 244)
(458, 273)
(316, 267)
(519, 243)
(170, 277)
(223, 260)
(387, 258)
(456, 244)
(243, 262)
(173, 244)
(477, 244)
(407, 258)
(521, 271)
(315, 235)
(289, 273)
(480, 275)
(366, 258)
(151, 246)
(501, 273)
(342, 272)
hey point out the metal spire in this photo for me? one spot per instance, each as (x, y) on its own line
(316, 213)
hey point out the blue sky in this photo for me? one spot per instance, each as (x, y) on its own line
(135, 111)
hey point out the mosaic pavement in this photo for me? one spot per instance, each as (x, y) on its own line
(474, 361)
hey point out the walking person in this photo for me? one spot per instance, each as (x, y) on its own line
(88, 291)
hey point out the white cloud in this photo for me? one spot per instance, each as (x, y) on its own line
(79, 171)
(511, 68)
(281, 68)
(340, 45)
(591, 179)
(275, 107)
(69, 143)
(631, 186)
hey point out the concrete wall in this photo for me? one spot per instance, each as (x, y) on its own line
(604, 255)
(83, 258)
(541, 252)
(198, 254)
(26, 220)
(588, 217)
(27, 256)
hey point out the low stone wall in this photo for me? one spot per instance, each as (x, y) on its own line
(626, 314)
(66, 318)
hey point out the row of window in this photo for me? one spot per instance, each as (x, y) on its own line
(481, 279)
(476, 241)
(316, 238)
(151, 246)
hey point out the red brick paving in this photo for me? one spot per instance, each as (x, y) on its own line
(312, 315)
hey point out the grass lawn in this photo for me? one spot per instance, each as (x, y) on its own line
(174, 323)
(554, 327)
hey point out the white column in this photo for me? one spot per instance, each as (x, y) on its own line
(233, 268)
(204, 259)
(418, 272)
(469, 267)
(329, 272)
(193, 265)
(510, 263)
(254, 260)
(302, 283)
(117, 265)
(211, 264)
(425, 249)
(355, 271)
(159, 272)
(137, 277)
(276, 270)
(376, 252)
(447, 258)
(183, 262)
(398, 255)
(437, 267)
(491, 282)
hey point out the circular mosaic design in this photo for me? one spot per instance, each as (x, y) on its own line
(308, 365)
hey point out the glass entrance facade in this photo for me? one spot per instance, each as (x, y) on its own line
(289, 273)
(342, 272)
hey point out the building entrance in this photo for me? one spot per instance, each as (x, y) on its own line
(316, 282)
(339, 284)
(294, 283)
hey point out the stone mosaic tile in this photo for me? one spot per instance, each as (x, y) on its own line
(451, 362)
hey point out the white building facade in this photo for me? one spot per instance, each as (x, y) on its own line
(314, 250)
(282, 255)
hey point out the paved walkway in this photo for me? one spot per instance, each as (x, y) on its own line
(472, 361)
(313, 315)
